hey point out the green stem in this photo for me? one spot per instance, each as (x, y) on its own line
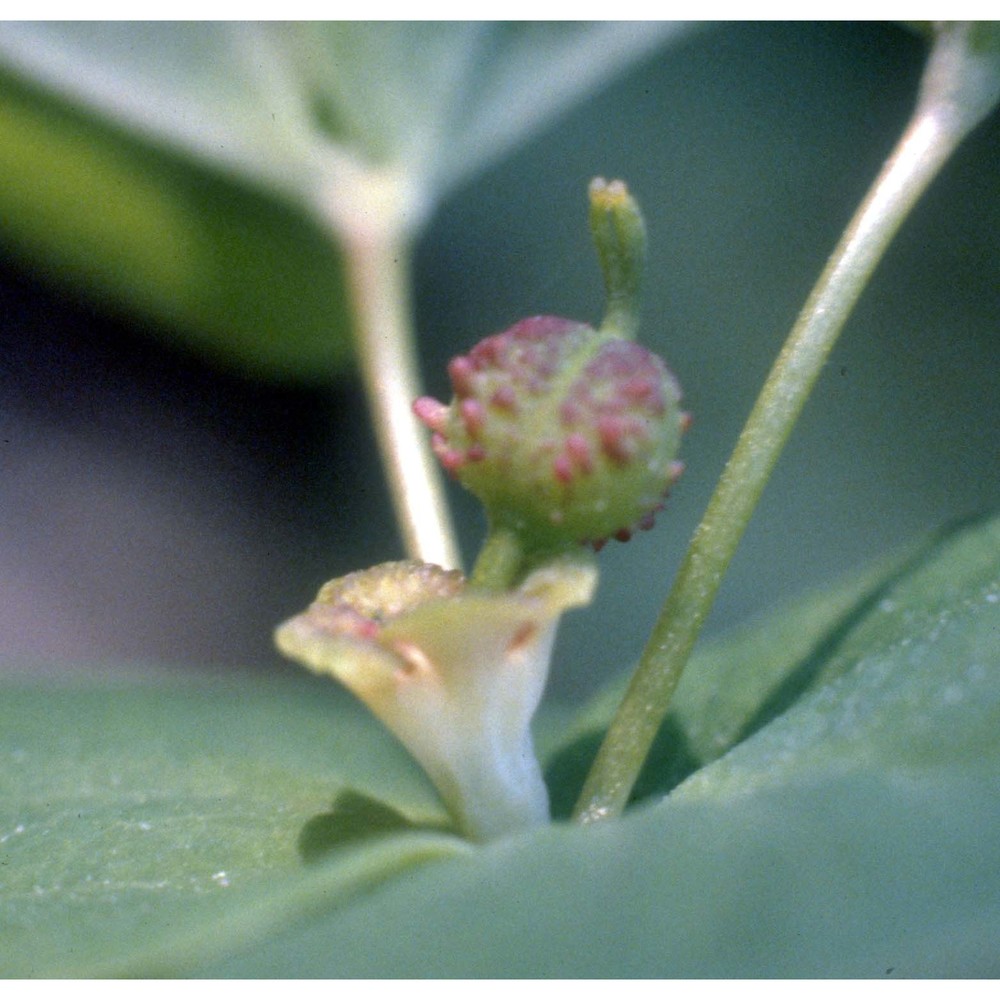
(378, 271)
(500, 560)
(619, 233)
(944, 114)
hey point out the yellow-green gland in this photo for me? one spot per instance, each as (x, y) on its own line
(565, 433)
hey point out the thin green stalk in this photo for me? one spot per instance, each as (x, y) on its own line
(620, 238)
(499, 561)
(959, 87)
(379, 280)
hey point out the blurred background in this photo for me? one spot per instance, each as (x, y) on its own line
(164, 502)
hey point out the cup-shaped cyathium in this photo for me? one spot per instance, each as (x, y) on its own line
(454, 671)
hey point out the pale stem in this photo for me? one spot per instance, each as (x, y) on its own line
(378, 275)
(932, 134)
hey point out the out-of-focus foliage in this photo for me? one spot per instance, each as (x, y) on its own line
(232, 273)
(841, 819)
(187, 171)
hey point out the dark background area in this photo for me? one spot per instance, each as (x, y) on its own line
(159, 510)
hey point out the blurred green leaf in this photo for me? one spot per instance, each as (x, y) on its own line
(834, 877)
(857, 834)
(131, 813)
(852, 830)
(738, 684)
(276, 101)
(106, 128)
(233, 274)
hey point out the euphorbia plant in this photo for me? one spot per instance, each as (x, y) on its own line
(814, 763)
(568, 435)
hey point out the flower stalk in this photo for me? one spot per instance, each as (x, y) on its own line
(370, 217)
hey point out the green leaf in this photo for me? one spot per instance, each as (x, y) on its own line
(906, 680)
(353, 818)
(267, 101)
(856, 834)
(851, 828)
(855, 877)
(739, 683)
(120, 143)
(234, 275)
(131, 813)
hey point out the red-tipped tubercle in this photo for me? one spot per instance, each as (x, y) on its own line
(473, 416)
(461, 371)
(432, 413)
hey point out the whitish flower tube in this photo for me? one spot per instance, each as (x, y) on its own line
(456, 672)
